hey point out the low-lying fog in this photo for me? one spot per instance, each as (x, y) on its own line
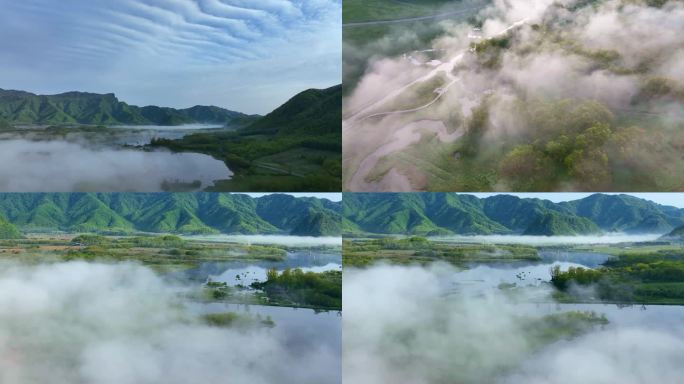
(60, 166)
(76, 322)
(271, 239)
(111, 136)
(401, 327)
(144, 134)
(608, 238)
(183, 127)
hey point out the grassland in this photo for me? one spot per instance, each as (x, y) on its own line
(267, 163)
(162, 253)
(237, 320)
(364, 252)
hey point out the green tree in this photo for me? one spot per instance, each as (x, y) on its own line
(272, 275)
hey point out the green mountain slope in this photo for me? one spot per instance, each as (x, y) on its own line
(626, 213)
(451, 213)
(677, 233)
(297, 147)
(8, 230)
(314, 111)
(557, 224)
(186, 213)
(421, 214)
(21, 107)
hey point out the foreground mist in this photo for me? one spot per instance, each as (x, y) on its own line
(407, 325)
(76, 322)
(287, 240)
(609, 238)
(60, 166)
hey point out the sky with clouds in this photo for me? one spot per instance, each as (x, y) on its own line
(245, 55)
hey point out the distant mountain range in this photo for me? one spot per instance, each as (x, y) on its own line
(183, 213)
(19, 107)
(451, 213)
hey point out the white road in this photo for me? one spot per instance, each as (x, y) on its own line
(410, 133)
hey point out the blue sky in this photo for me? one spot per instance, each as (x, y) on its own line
(673, 199)
(245, 55)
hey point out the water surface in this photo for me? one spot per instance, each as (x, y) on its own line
(61, 166)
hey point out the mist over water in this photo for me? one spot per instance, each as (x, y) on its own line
(609, 238)
(76, 322)
(183, 127)
(139, 135)
(271, 239)
(60, 166)
(107, 137)
(405, 324)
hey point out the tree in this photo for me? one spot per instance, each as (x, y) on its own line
(526, 168)
(272, 275)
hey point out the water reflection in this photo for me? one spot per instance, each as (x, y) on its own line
(246, 272)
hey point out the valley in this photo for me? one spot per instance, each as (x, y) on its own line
(108, 145)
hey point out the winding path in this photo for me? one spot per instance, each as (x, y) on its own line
(409, 133)
(402, 138)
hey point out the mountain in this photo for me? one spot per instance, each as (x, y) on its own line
(297, 147)
(557, 224)
(187, 213)
(19, 107)
(311, 112)
(624, 213)
(677, 234)
(452, 213)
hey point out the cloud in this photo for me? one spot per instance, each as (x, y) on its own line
(609, 238)
(61, 166)
(71, 323)
(554, 54)
(423, 325)
(630, 355)
(292, 241)
(243, 55)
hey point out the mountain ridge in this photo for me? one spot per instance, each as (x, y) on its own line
(76, 107)
(183, 213)
(453, 213)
